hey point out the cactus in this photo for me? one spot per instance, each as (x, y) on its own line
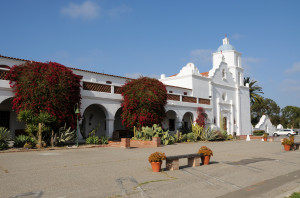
(65, 136)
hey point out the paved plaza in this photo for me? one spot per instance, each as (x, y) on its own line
(238, 169)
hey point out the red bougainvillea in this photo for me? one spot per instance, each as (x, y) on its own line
(144, 101)
(49, 87)
(201, 116)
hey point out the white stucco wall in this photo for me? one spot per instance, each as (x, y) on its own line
(228, 97)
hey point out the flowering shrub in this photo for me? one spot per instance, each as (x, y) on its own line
(205, 151)
(46, 87)
(157, 157)
(201, 118)
(287, 141)
(144, 101)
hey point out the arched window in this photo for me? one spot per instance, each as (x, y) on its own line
(224, 74)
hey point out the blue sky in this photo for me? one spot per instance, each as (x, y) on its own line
(139, 37)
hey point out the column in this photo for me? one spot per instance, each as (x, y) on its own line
(109, 127)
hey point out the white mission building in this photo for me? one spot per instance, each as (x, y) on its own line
(220, 92)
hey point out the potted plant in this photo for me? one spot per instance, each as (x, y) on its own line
(206, 154)
(287, 143)
(156, 160)
(265, 137)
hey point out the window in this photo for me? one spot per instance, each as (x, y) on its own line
(185, 93)
(170, 91)
(224, 96)
(224, 74)
(108, 82)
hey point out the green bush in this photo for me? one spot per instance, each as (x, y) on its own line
(92, 140)
(146, 133)
(21, 140)
(295, 195)
(258, 132)
(225, 134)
(210, 135)
(4, 137)
(218, 136)
(104, 140)
(191, 137)
(184, 138)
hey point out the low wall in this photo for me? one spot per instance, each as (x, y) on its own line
(128, 143)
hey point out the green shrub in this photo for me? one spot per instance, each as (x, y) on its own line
(92, 139)
(217, 136)
(146, 133)
(184, 138)
(295, 195)
(4, 137)
(210, 135)
(104, 140)
(191, 137)
(21, 140)
(258, 132)
(225, 134)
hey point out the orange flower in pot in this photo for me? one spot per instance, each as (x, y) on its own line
(156, 160)
(287, 143)
(207, 152)
(265, 136)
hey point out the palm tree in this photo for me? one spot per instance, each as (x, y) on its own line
(254, 90)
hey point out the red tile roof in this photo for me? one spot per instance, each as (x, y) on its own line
(69, 68)
(205, 74)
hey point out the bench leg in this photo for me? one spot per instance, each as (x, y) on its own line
(172, 165)
(194, 161)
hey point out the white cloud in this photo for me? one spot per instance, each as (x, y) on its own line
(118, 10)
(87, 10)
(138, 75)
(202, 57)
(295, 68)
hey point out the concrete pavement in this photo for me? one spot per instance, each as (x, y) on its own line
(237, 169)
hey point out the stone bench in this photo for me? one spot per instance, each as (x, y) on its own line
(172, 162)
(295, 146)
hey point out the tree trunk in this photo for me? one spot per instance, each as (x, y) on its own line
(40, 135)
(52, 139)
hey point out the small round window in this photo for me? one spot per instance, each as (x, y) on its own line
(224, 96)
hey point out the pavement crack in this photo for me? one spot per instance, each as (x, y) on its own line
(218, 179)
(129, 183)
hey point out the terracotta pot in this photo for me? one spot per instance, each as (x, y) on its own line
(156, 166)
(287, 147)
(265, 139)
(205, 159)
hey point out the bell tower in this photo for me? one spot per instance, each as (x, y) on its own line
(228, 54)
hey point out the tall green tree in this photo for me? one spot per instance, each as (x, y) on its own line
(254, 90)
(266, 107)
(290, 117)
